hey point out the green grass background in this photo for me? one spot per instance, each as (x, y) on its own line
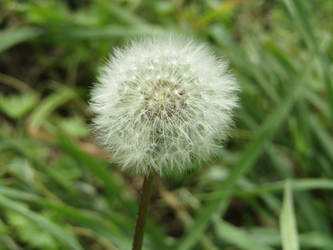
(271, 190)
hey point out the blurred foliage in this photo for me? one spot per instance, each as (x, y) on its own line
(59, 191)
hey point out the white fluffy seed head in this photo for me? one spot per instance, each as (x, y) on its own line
(163, 104)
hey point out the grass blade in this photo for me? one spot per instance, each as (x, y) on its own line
(85, 218)
(301, 19)
(288, 226)
(238, 237)
(273, 187)
(64, 236)
(324, 138)
(49, 104)
(108, 32)
(12, 37)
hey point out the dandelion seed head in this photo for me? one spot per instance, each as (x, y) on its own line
(163, 103)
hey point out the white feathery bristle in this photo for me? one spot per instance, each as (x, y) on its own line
(163, 104)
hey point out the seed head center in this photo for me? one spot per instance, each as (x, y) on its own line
(163, 99)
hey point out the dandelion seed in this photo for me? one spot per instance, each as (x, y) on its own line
(163, 103)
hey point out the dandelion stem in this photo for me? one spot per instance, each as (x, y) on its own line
(143, 208)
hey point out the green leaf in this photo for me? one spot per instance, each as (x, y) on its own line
(15, 106)
(289, 236)
(96, 166)
(73, 126)
(312, 240)
(31, 232)
(12, 37)
(49, 104)
(58, 232)
(238, 237)
(88, 219)
(100, 226)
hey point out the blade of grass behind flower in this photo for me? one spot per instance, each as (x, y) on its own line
(239, 58)
(324, 138)
(302, 21)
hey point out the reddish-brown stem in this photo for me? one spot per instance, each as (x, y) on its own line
(142, 214)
